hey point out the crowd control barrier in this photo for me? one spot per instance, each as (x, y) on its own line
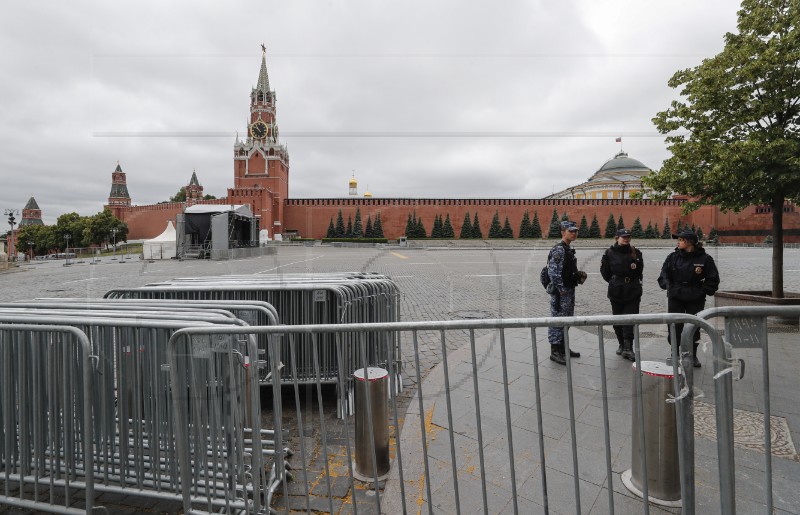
(167, 420)
(307, 299)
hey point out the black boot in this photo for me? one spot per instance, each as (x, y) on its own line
(619, 349)
(574, 354)
(627, 350)
(695, 361)
(557, 355)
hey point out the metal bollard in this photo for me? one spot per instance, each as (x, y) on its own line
(378, 384)
(661, 437)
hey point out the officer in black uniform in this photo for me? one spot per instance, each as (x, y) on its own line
(688, 275)
(622, 267)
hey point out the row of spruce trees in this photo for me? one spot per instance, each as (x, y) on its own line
(528, 228)
(355, 229)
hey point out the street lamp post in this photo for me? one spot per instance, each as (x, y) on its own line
(114, 234)
(66, 250)
(11, 214)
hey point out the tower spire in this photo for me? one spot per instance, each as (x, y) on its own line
(263, 79)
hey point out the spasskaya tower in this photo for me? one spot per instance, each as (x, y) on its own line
(260, 161)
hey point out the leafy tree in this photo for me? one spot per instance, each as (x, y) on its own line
(555, 226)
(368, 232)
(636, 230)
(620, 224)
(650, 233)
(476, 228)
(667, 234)
(208, 196)
(377, 229)
(348, 233)
(340, 225)
(507, 232)
(180, 196)
(331, 230)
(494, 228)
(583, 228)
(594, 228)
(447, 228)
(358, 229)
(536, 228)
(611, 226)
(733, 137)
(525, 226)
(466, 228)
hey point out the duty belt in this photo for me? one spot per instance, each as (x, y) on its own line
(626, 279)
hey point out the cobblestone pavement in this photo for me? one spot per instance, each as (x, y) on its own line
(436, 284)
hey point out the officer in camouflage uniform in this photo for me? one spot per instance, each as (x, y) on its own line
(562, 267)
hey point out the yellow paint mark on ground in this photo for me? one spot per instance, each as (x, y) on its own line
(398, 255)
(430, 429)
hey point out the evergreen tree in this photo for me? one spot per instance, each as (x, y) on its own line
(410, 226)
(466, 228)
(507, 232)
(713, 237)
(583, 228)
(620, 223)
(348, 233)
(686, 227)
(536, 228)
(340, 225)
(476, 228)
(369, 232)
(447, 228)
(420, 229)
(594, 228)
(694, 230)
(611, 226)
(555, 227)
(667, 234)
(699, 233)
(358, 229)
(436, 231)
(525, 226)
(331, 230)
(636, 230)
(656, 231)
(564, 218)
(377, 229)
(494, 228)
(649, 233)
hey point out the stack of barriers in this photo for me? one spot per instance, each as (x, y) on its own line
(104, 396)
(307, 299)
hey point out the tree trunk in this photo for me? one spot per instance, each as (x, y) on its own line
(777, 246)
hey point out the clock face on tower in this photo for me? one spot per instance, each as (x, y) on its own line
(258, 130)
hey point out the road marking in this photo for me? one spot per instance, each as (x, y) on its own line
(401, 276)
(290, 264)
(81, 280)
(491, 275)
(398, 255)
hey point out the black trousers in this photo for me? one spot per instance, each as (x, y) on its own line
(692, 308)
(630, 307)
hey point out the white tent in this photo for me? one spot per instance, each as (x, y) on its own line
(163, 246)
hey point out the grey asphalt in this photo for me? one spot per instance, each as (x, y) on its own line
(453, 282)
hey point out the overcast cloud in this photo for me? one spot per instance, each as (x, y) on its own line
(510, 99)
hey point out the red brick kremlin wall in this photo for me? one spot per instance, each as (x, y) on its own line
(310, 217)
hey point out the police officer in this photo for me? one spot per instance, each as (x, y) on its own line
(622, 267)
(562, 267)
(688, 275)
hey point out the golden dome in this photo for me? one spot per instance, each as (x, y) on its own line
(353, 181)
(367, 194)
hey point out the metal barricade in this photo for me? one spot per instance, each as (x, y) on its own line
(492, 435)
(309, 299)
(135, 421)
(46, 429)
(745, 327)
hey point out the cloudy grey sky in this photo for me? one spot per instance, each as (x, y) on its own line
(446, 98)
